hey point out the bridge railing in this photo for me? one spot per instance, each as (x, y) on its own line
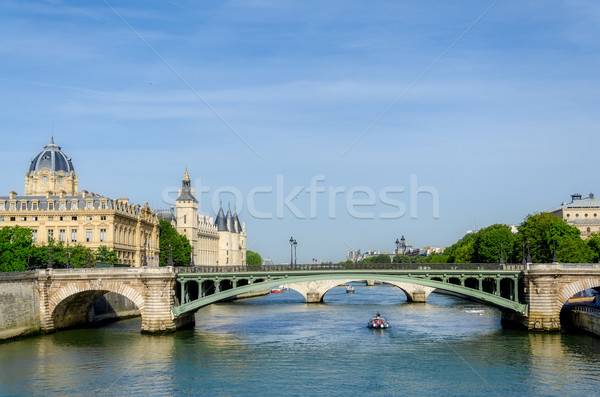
(350, 266)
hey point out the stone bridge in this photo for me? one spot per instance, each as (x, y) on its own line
(167, 298)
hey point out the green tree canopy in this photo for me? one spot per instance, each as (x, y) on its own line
(15, 246)
(540, 230)
(180, 245)
(593, 242)
(488, 243)
(103, 254)
(253, 258)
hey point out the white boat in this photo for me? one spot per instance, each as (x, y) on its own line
(377, 321)
(349, 289)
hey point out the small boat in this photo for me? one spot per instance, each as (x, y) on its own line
(377, 321)
(349, 289)
(279, 290)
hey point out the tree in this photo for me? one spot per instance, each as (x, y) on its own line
(381, 258)
(539, 230)
(15, 246)
(593, 242)
(462, 251)
(488, 242)
(180, 245)
(103, 254)
(253, 258)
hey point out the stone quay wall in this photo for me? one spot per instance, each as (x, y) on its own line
(19, 304)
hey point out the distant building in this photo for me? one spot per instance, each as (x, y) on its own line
(583, 213)
(221, 242)
(55, 211)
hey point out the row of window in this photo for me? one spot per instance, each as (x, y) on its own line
(62, 234)
(62, 206)
(50, 218)
(585, 215)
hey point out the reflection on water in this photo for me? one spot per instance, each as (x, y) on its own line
(279, 344)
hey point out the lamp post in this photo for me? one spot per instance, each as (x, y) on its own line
(50, 256)
(403, 244)
(291, 250)
(295, 257)
(170, 261)
(397, 245)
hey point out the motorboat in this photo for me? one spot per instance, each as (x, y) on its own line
(349, 289)
(377, 321)
(279, 290)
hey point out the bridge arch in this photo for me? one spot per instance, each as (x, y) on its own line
(569, 290)
(70, 305)
(314, 285)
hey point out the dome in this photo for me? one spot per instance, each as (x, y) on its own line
(52, 158)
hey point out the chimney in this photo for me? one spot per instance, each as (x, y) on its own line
(575, 196)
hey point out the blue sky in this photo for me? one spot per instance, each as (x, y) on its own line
(259, 95)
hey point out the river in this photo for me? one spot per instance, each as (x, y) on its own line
(278, 344)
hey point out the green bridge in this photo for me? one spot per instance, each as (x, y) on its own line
(494, 284)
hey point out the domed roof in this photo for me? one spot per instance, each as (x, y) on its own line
(52, 158)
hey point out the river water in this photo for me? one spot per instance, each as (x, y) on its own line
(278, 344)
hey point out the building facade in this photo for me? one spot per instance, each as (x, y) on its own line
(583, 213)
(55, 211)
(214, 242)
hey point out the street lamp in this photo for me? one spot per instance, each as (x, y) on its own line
(50, 256)
(403, 240)
(397, 245)
(295, 257)
(291, 250)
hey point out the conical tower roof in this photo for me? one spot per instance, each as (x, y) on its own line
(221, 220)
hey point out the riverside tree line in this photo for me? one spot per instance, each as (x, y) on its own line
(540, 232)
(18, 251)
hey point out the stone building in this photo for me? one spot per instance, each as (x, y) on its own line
(583, 213)
(54, 209)
(214, 242)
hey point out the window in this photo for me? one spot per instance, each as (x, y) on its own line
(62, 206)
(23, 206)
(1, 219)
(2, 206)
(88, 205)
(102, 235)
(61, 235)
(34, 206)
(50, 205)
(61, 218)
(12, 219)
(88, 235)
(103, 217)
(50, 234)
(74, 205)
(586, 215)
(103, 206)
(74, 235)
(88, 218)
(185, 219)
(73, 218)
(12, 206)
(50, 218)
(576, 215)
(34, 236)
(588, 230)
(23, 218)
(34, 218)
